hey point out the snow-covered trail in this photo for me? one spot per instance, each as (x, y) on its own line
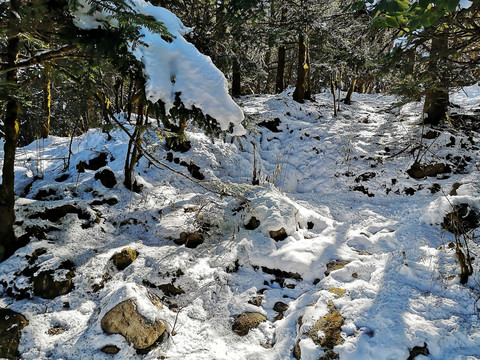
(403, 278)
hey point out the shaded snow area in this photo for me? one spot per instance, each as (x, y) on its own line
(361, 241)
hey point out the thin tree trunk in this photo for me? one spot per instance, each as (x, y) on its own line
(132, 151)
(47, 101)
(348, 97)
(332, 90)
(299, 93)
(437, 98)
(236, 78)
(8, 243)
(308, 75)
(280, 81)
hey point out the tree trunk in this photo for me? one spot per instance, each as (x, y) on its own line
(133, 149)
(299, 93)
(308, 75)
(348, 97)
(236, 76)
(8, 243)
(437, 98)
(280, 81)
(47, 101)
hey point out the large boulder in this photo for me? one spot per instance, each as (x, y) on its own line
(136, 318)
(11, 325)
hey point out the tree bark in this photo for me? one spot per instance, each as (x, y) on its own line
(280, 79)
(437, 98)
(47, 101)
(8, 243)
(348, 97)
(236, 78)
(299, 93)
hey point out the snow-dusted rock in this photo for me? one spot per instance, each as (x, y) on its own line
(135, 318)
(11, 324)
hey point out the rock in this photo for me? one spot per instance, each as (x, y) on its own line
(365, 176)
(252, 224)
(335, 265)
(278, 235)
(330, 326)
(110, 349)
(47, 194)
(35, 255)
(256, 300)
(430, 135)
(46, 285)
(418, 171)
(190, 239)
(455, 187)
(271, 125)
(124, 258)
(171, 290)
(280, 307)
(124, 319)
(418, 350)
(93, 164)
(62, 177)
(297, 351)
(11, 325)
(337, 291)
(462, 219)
(194, 170)
(107, 178)
(55, 214)
(281, 275)
(329, 355)
(247, 321)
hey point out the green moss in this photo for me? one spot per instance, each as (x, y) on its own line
(247, 321)
(331, 326)
(124, 258)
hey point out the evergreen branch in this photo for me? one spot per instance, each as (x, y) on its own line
(40, 58)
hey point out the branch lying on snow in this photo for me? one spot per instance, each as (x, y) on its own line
(218, 187)
(39, 58)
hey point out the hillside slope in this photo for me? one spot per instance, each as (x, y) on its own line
(362, 245)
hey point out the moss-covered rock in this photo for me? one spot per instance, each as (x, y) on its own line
(247, 321)
(335, 265)
(337, 291)
(124, 258)
(331, 327)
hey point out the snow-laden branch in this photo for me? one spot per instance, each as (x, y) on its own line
(175, 66)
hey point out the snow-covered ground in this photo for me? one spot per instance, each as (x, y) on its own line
(337, 186)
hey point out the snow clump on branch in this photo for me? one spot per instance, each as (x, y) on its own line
(175, 66)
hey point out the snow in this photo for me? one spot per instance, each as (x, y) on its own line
(401, 282)
(176, 66)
